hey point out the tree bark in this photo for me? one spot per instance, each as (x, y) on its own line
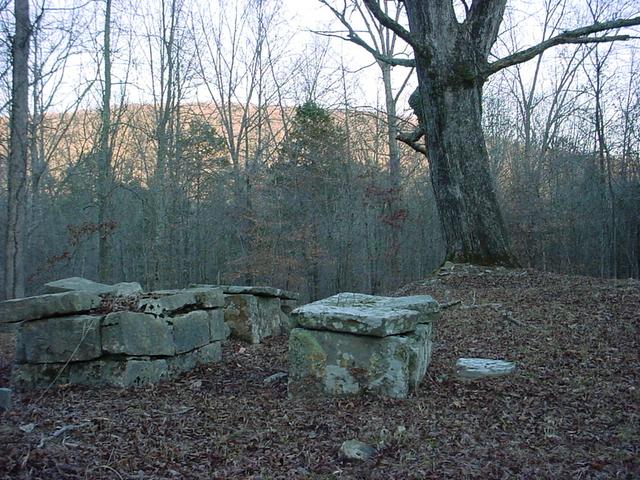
(105, 156)
(18, 156)
(448, 104)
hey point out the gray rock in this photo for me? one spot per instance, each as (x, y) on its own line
(252, 318)
(362, 319)
(428, 308)
(275, 377)
(126, 288)
(261, 291)
(137, 334)
(59, 339)
(5, 399)
(119, 373)
(218, 330)
(211, 353)
(171, 301)
(324, 363)
(191, 330)
(474, 368)
(79, 284)
(179, 364)
(241, 316)
(33, 308)
(356, 450)
(25, 376)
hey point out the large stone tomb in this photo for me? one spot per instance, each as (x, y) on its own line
(352, 343)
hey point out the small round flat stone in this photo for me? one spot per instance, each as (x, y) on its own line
(370, 320)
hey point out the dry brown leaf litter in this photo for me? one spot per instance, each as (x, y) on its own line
(571, 411)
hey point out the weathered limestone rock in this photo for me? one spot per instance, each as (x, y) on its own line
(251, 318)
(52, 305)
(218, 330)
(5, 399)
(241, 315)
(126, 288)
(80, 284)
(118, 373)
(474, 368)
(365, 319)
(270, 313)
(191, 330)
(59, 339)
(211, 353)
(133, 333)
(27, 376)
(356, 450)
(428, 308)
(325, 363)
(171, 301)
(260, 291)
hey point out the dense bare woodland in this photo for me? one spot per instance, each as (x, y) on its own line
(182, 142)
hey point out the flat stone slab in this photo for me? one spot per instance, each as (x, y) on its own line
(167, 302)
(426, 305)
(364, 319)
(59, 339)
(72, 284)
(51, 305)
(134, 333)
(334, 364)
(260, 291)
(474, 368)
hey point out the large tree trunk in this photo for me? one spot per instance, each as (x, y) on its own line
(18, 156)
(449, 109)
(464, 188)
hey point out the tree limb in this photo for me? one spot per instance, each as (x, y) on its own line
(412, 138)
(395, 27)
(579, 35)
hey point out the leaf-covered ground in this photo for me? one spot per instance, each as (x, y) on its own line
(572, 410)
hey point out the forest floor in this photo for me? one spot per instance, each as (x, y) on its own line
(571, 410)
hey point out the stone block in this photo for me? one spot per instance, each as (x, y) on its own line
(25, 376)
(269, 313)
(59, 339)
(211, 353)
(365, 319)
(80, 284)
(34, 308)
(119, 373)
(208, 354)
(167, 302)
(133, 333)
(218, 330)
(427, 307)
(241, 315)
(191, 330)
(260, 291)
(325, 363)
(251, 318)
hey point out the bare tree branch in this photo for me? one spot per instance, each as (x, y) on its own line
(412, 138)
(398, 29)
(579, 35)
